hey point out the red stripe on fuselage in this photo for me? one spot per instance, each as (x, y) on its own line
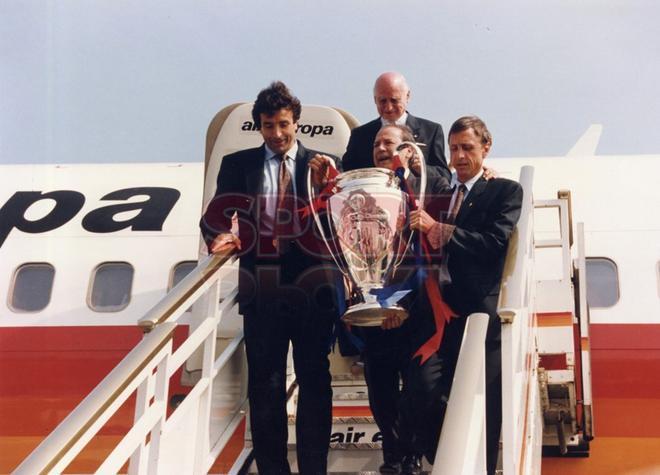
(46, 371)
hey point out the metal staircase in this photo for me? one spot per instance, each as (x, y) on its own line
(546, 391)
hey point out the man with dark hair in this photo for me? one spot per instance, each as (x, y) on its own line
(391, 95)
(282, 284)
(474, 238)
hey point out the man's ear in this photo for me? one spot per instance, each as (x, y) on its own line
(486, 149)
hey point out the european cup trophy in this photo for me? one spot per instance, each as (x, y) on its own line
(367, 214)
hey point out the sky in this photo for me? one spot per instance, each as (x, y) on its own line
(109, 81)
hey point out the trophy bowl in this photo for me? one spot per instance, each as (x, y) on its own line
(367, 213)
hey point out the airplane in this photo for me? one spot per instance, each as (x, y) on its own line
(100, 261)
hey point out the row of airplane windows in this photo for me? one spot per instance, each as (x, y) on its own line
(111, 284)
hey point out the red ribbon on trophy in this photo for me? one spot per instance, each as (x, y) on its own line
(320, 202)
(442, 313)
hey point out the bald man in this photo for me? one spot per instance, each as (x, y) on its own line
(391, 95)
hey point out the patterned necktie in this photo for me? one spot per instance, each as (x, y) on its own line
(451, 217)
(284, 210)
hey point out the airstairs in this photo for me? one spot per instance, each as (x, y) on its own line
(545, 359)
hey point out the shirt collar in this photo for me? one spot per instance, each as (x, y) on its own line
(468, 184)
(291, 153)
(400, 121)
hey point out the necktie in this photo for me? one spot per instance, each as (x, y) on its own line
(444, 277)
(460, 194)
(284, 210)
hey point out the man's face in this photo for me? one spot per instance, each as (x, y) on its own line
(385, 148)
(279, 130)
(391, 100)
(467, 154)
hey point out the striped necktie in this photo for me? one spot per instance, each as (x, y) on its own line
(285, 201)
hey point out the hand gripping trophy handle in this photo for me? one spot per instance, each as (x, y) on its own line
(364, 211)
(422, 189)
(319, 226)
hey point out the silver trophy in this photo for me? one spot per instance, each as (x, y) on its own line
(368, 213)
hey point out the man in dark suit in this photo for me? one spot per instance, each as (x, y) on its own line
(474, 239)
(281, 284)
(391, 95)
(388, 349)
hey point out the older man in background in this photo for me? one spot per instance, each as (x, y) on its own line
(391, 95)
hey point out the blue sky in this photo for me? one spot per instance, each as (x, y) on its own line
(128, 81)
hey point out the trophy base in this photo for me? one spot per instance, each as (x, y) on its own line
(371, 314)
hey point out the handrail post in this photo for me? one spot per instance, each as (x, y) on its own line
(508, 396)
(515, 309)
(462, 447)
(208, 359)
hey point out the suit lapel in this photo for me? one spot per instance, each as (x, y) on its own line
(254, 176)
(413, 124)
(472, 197)
(301, 172)
(255, 169)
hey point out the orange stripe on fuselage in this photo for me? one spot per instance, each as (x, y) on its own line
(584, 344)
(610, 456)
(554, 319)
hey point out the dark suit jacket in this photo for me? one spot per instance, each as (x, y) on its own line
(239, 189)
(359, 151)
(478, 246)
(420, 324)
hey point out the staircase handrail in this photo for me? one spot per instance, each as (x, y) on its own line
(186, 291)
(73, 433)
(135, 372)
(462, 447)
(514, 276)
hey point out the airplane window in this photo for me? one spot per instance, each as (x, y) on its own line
(110, 290)
(32, 287)
(602, 282)
(181, 270)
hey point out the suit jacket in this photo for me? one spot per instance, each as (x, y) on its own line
(359, 151)
(478, 245)
(239, 189)
(420, 324)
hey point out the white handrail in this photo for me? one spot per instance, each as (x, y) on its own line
(186, 291)
(462, 447)
(52, 455)
(514, 282)
(146, 370)
(521, 418)
(581, 265)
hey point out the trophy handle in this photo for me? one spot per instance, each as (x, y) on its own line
(317, 220)
(422, 193)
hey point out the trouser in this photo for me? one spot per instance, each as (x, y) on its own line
(283, 313)
(425, 396)
(386, 356)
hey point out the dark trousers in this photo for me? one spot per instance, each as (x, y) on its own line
(285, 310)
(386, 357)
(426, 393)
(424, 399)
